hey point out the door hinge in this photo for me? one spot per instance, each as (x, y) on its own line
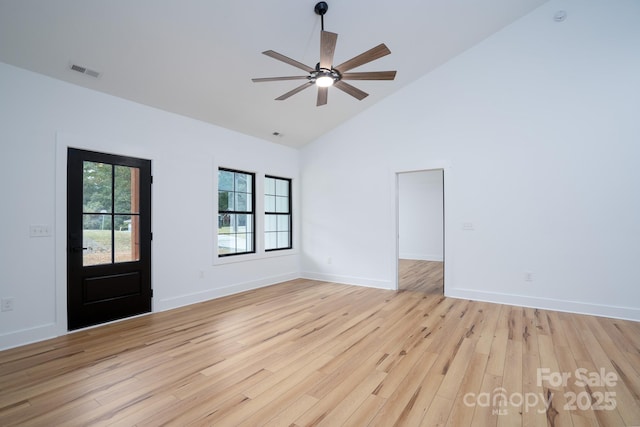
(151, 236)
(151, 293)
(152, 179)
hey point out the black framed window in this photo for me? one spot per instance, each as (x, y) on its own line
(277, 212)
(236, 202)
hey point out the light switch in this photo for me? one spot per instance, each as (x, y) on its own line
(39, 230)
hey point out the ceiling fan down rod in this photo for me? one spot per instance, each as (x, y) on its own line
(320, 9)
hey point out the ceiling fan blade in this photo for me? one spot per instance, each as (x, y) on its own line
(277, 79)
(351, 90)
(370, 75)
(327, 48)
(322, 96)
(286, 59)
(368, 56)
(294, 91)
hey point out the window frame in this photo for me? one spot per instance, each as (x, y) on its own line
(251, 212)
(289, 213)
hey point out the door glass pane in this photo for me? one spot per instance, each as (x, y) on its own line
(126, 197)
(127, 238)
(96, 238)
(96, 187)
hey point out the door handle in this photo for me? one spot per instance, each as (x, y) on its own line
(78, 249)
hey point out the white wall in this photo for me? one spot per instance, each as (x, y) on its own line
(39, 118)
(420, 215)
(537, 131)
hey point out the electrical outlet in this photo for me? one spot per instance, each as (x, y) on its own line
(6, 304)
(528, 276)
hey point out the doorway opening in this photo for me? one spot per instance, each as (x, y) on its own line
(420, 231)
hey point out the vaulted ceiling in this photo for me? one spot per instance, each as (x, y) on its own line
(197, 57)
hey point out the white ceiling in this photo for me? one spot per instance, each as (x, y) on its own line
(197, 57)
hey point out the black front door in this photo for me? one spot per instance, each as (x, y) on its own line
(109, 237)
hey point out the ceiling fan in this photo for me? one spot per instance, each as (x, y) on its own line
(324, 74)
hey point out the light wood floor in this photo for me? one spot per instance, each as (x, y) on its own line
(312, 353)
(421, 276)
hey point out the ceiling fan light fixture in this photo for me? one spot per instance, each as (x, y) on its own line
(324, 81)
(324, 77)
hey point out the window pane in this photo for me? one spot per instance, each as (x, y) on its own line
(282, 204)
(226, 244)
(243, 202)
(127, 238)
(269, 186)
(249, 241)
(283, 222)
(241, 182)
(270, 223)
(226, 240)
(270, 241)
(241, 242)
(270, 203)
(223, 223)
(225, 180)
(283, 239)
(96, 237)
(282, 187)
(96, 187)
(244, 223)
(225, 201)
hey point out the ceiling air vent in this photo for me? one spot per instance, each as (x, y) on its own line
(85, 70)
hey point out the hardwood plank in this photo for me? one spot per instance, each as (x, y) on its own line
(306, 352)
(421, 276)
(463, 407)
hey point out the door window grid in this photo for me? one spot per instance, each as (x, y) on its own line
(110, 214)
(235, 212)
(278, 218)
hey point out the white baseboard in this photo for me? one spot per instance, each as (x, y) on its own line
(196, 297)
(616, 312)
(421, 257)
(347, 280)
(28, 336)
(44, 332)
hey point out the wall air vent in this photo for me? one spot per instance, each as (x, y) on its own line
(84, 70)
